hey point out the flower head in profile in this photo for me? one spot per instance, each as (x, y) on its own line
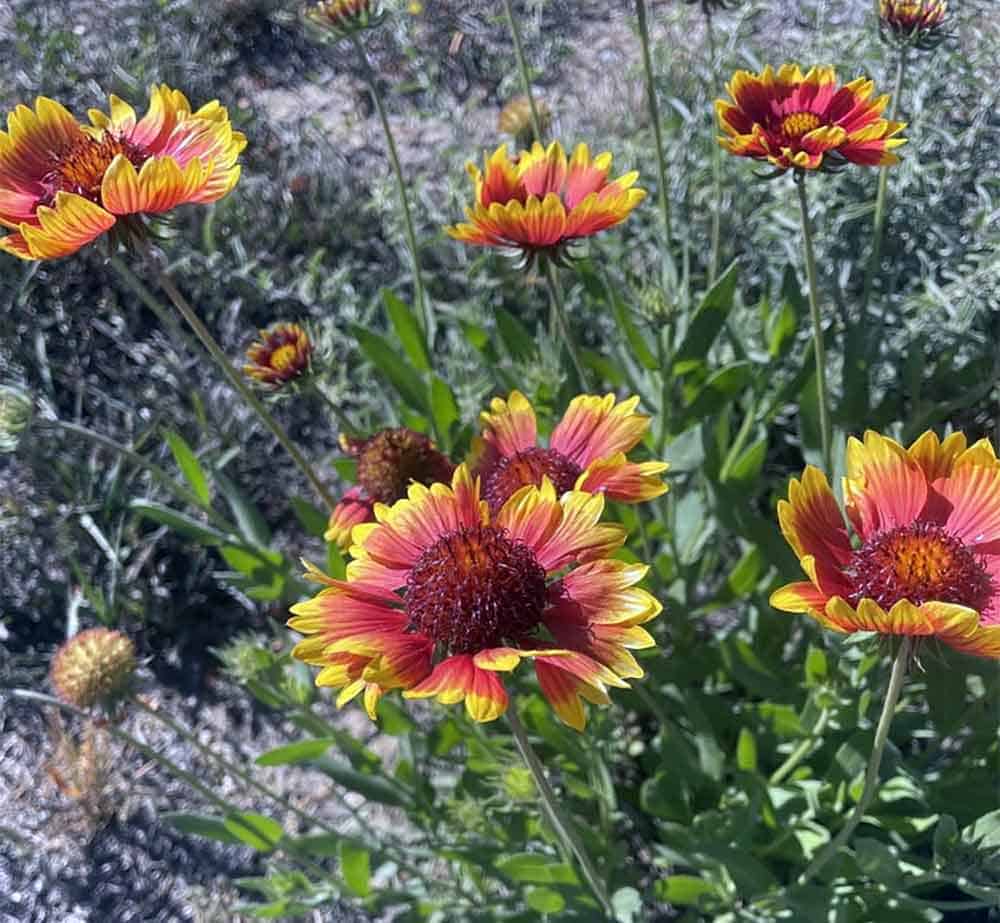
(282, 354)
(916, 23)
(515, 120)
(540, 201)
(444, 596)
(806, 122)
(925, 559)
(342, 18)
(388, 462)
(586, 452)
(64, 184)
(93, 667)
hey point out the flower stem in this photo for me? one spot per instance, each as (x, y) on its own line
(551, 810)
(560, 317)
(234, 379)
(803, 750)
(654, 117)
(423, 305)
(822, 393)
(713, 259)
(522, 66)
(899, 667)
(880, 198)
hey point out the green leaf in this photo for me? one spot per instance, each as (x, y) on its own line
(297, 752)
(519, 342)
(408, 329)
(373, 787)
(707, 322)
(313, 520)
(816, 667)
(684, 890)
(746, 751)
(315, 844)
(718, 389)
(188, 463)
(536, 869)
(444, 408)
(256, 830)
(744, 576)
(355, 866)
(180, 522)
(636, 341)
(200, 825)
(397, 371)
(544, 900)
(249, 521)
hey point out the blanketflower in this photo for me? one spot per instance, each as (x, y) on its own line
(806, 122)
(926, 559)
(281, 355)
(64, 184)
(344, 17)
(388, 462)
(443, 596)
(539, 201)
(587, 450)
(515, 119)
(913, 22)
(94, 667)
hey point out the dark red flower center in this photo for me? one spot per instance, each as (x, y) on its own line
(476, 589)
(81, 168)
(794, 126)
(393, 458)
(922, 563)
(513, 472)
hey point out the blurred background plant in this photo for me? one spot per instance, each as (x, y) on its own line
(137, 494)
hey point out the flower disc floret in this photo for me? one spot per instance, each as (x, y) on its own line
(806, 122)
(925, 556)
(63, 184)
(586, 452)
(475, 589)
(538, 201)
(444, 596)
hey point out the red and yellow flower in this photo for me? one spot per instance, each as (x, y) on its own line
(64, 184)
(913, 22)
(344, 17)
(806, 122)
(926, 555)
(282, 354)
(444, 596)
(586, 452)
(540, 201)
(388, 462)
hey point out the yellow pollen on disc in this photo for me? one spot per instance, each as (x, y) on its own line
(800, 123)
(921, 559)
(285, 357)
(81, 169)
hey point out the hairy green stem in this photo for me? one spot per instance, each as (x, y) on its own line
(551, 810)
(423, 304)
(654, 117)
(805, 747)
(878, 228)
(899, 667)
(822, 393)
(713, 258)
(522, 66)
(237, 382)
(560, 318)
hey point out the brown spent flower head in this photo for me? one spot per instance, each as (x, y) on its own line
(282, 354)
(391, 459)
(515, 120)
(915, 23)
(94, 667)
(342, 18)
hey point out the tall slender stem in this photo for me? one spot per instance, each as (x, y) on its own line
(423, 305)
(880, 198)
(899, 667)
(654, 117)
(561, 318)
(522, 66)
(238, 384)
(713, 259)
(822, 394)
(550, 808)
